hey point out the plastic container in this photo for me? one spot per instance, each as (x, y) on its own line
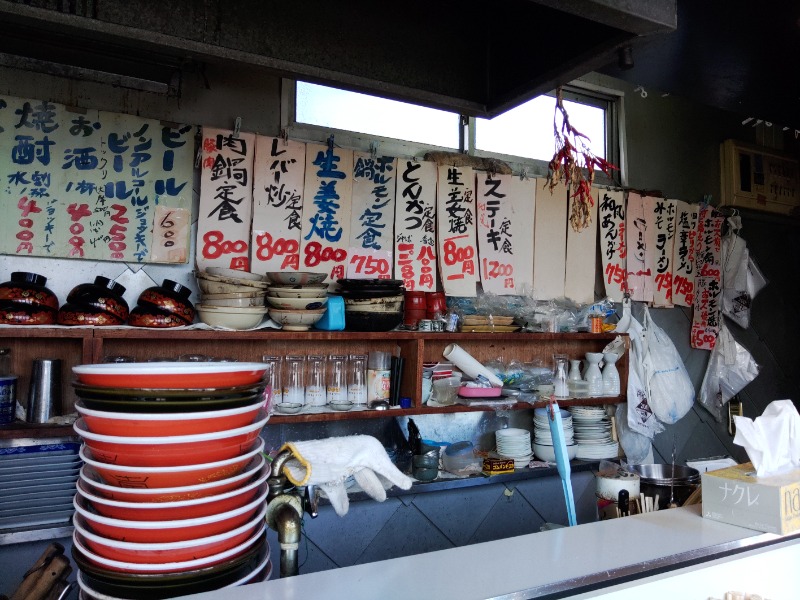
(460, 456)
(333, 319)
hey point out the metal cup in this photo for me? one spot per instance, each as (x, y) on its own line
(44, 393)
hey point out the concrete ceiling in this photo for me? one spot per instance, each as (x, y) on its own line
(471, 56)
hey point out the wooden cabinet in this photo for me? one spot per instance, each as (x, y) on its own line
(78, 346)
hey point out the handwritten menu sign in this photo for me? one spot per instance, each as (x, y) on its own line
(455, 215)
(522, 197)
(415, 225)
(661, 237)
(581, 270)
(278, 179)
(226, 199)
(639, 259)
(550, 241)
(613, 247)
(326, 210)
(495, 235)
(708, 280)
(86, 184)
(683, 254)
(372, 217)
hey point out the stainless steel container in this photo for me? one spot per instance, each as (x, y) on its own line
(663, 481)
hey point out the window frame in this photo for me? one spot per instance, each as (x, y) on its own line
(612, 101)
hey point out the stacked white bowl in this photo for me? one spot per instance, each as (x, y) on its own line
(514, 443)
(543, 438)
(230, 298)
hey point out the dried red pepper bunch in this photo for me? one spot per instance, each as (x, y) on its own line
(571, 159)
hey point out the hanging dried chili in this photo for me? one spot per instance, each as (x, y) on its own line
(571, 159)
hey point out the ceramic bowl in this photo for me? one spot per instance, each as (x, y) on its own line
(545, 452)
(234, 273)
(236, 302)
(169, 484)
(174, 509)
(98, 560)
(237, 281)
(167, 553)
(297, 291)
(165, 531)
(297, 303)
(231, 317)
(218, 287)
(179, 450)
(357, 320)
(296, 320)
(166, 424)
(296, 277)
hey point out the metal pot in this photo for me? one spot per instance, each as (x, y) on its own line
(663, 481)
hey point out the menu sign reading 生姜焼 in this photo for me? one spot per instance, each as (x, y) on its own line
(456, 228)
(92, 184)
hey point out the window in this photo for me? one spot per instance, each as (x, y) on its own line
(522, 136)
(332, 108)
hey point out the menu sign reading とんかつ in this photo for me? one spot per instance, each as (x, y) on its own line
(415, 225)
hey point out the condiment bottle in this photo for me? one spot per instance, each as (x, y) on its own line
(378, 377)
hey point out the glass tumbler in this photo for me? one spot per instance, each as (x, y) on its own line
(315, 381)
(357, 379)
(294, 382)
(337, 382)
(273, 377)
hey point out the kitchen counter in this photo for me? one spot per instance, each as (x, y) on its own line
(575, 562)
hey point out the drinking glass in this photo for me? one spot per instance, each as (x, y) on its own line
(294, 384)
(273, 377)
(357, 379)
(336, 382)
(315, 382)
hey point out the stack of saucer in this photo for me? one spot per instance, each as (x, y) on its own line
(543, 438)
(514, 443)
(593, 433)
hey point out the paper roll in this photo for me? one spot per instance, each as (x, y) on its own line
(468, 365)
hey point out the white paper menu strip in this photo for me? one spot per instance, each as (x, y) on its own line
(661, 238)
(496, 239)
(683, 255)
(372, 217)
(326, 210)
(522, 194)
(639, 259)
(455, 213)
(708, 280)
(415, 225)
(581, 267)
(550, 242)
(226, 200)
(277, 204)
(613, 247)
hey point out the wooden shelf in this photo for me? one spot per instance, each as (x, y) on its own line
(93, 345)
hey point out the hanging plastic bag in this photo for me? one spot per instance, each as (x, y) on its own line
(755, 278)
(669, 389)
(635, 445)
(730, 368)
(641, 419)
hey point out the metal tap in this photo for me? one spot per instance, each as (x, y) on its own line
(286, 504)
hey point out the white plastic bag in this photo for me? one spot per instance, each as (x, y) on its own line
(635, 445)
(730, 368)
(741, 277)
(669, 389)
(641, 419)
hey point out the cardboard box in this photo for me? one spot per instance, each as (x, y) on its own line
(736, 495)
(497, 466)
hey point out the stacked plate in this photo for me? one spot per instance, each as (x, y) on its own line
(543, 438)
(37, 483)
(372, 304)
(172, 497)
(514, 443)
(593, 433)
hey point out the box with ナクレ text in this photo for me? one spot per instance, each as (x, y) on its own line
(736, 495)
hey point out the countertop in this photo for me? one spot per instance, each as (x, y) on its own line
(551, 564)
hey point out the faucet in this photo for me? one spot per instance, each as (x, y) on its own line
(285, 507)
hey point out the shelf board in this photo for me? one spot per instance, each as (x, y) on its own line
(20, 429)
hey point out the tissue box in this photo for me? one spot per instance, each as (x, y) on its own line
(736, 495)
